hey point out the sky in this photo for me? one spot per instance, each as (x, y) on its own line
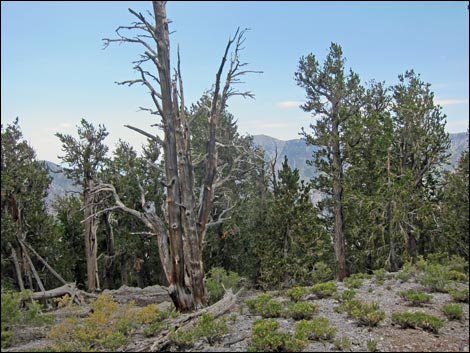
(55, 72)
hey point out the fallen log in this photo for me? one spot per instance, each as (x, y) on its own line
(70, 288)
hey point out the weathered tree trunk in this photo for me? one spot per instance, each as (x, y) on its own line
(19, 276)
(180, 237)
(91, 242)
(339, 241)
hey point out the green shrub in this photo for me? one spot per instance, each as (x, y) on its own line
(406, 272)
(436, 278)
(416, 298)
(296, 293)
(264, 305)
(300, 310)
(379, 276)
(367, 314)
(324, 290)
(354, 281)
(266, 338)
(317, 329)
(418, 319)
(217, 279)
(372, 346)
(322, 273)
(460, 295)
(342, 344)
(453, 311)
(206, 327)
(19, 309)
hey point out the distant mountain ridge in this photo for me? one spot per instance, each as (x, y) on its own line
(298, 152)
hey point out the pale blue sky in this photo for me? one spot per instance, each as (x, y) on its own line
(54, 71)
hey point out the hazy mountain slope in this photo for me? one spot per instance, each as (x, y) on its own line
(298, 152)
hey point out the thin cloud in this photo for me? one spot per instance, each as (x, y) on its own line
(289, 104)
(451, 101)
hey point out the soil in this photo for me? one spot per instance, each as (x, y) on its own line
(452, 337)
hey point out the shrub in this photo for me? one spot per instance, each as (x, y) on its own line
(406, 272)
(266, 338)
(300, 310)
(415, 297)
(436, 278)
(460, 295)
(342, 344)
(217, 279)
(372, 346)
(418, 319)
(379, 276)
(324, 290)
(206, 327)
(19, 309)
(453, 311)
(322, 273)
(105, 328)
(367, 314)
(264, 305)
(354, 281)
(296, 293)
(317, 329)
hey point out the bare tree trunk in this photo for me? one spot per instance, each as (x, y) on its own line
(91, 243)
(19, 276)
(338, 205)
(179, 241)
(56, 275)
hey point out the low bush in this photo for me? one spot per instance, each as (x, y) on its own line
(19, 309)
(354, 281)
(324, 290)
(266, 338)
(206, 327)
(419, 319)
(296, 293)
(317, 329)
(342, 344)
(453, 311)
(105, 328)
(217, 279)
(300, 310)
(460, 295)
(415, 297)
(264, 305)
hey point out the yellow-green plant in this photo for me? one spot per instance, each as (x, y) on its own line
(264, 305)
(105, 328)
(300, 310)
(296, 293)
(415, 297)
(418, 319)
(324, 290)
(19, 309)
(266, 338)
(453, 311)
(317, 329)
(460, 295)
(342, 343)
(206, 327)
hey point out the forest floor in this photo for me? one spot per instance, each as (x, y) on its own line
(452, 337)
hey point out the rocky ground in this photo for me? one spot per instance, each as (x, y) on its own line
(453, 337)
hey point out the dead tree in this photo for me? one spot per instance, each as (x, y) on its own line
(181, 234)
